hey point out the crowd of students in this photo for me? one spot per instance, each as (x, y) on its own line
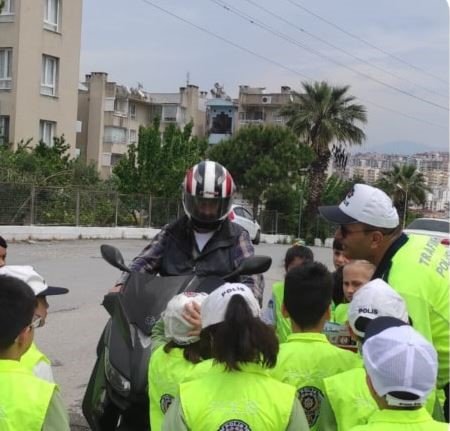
(219, 363)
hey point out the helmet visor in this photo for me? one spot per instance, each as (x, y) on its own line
(206, 209)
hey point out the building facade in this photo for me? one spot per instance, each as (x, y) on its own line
(39, 67)
(255, 106)
(111, 115)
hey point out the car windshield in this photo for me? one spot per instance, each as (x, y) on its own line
(432, 225)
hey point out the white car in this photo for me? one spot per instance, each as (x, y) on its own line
(438, 228)
(244, 218)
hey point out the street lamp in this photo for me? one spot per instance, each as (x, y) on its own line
(405, 209)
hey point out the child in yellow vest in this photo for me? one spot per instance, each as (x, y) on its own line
(308, 357)
(34, 359)
(296, 255)
(355, 274)
(178, 360)
(401, 367)
(237, 393)
(347, 400)
(26, 401)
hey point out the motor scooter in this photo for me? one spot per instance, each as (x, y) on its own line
(116, 397)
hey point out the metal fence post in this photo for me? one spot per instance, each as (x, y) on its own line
(150, 211)
(32, 204)
(116, 218)
(77, 208)
(276, 222)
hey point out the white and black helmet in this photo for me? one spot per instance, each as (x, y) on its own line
(208, 190)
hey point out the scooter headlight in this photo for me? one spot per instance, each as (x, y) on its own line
(120, 383)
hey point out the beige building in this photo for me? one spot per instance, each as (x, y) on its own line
(258, 107)
(39, 67)
(111, 114)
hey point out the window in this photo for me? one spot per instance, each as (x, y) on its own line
(8, 8)
(114, 135)
(51, 14)
(49, 75)
(5, 68)
(132, 111)
(4, 129)
(170, 113)
(133, 136)
(47, 132)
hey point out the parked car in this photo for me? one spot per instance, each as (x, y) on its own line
(242, 216)
(438, 228)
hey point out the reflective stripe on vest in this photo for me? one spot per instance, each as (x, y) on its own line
(247, 400)
(24, 398)
(283, 325)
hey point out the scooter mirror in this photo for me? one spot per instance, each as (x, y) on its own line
(114, 257)
(251, 265)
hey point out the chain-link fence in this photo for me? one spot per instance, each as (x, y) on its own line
(24, 204)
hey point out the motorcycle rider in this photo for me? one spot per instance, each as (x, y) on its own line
(203, 241)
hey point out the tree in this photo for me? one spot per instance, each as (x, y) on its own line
(261, 158)
(158, 163)
(404, 184)
(320, 116)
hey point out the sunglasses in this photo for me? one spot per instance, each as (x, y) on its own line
(36, 323)
(345, 231)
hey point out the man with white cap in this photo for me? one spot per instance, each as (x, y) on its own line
(34, 359)
(416, 266)
(401, 367)
(347, 399)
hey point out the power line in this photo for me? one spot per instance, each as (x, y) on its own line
(283, 36)
(252, 2)
(296, 4)
(227, 41)
(198, 27)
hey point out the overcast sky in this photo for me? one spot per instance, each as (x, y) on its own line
(135, 42)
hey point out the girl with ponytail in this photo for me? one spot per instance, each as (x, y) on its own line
(237, 392)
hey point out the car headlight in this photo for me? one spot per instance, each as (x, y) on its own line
(120, 383)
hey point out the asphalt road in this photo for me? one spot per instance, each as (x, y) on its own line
(76, 320)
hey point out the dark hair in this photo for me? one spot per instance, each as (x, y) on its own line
(299, 251)
(241, 338)
(3, 242)
(17, 305)
(337, 245)
(191, 352)
(338, 286)
(307, 293)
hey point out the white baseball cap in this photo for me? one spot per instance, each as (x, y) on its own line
(375, 299)
(363, 204)
(215, 306)
(176, 327)
(399, 360)
(37, 283)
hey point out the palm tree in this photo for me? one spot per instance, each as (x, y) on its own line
(320, 116)
(404, 184)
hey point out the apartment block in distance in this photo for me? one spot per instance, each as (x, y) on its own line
(39, 67)
(111, 115)
(258, 107)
